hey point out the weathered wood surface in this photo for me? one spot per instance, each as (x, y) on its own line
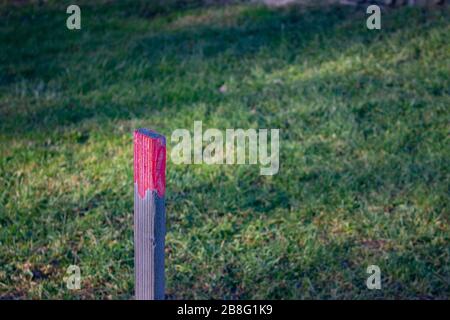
(149, 214)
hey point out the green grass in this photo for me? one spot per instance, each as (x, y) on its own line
(364, 125)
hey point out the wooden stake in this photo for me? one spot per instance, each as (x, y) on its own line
(149, 213)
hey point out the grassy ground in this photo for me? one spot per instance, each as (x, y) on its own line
(364, 176)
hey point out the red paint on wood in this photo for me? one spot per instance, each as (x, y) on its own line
(149, 162)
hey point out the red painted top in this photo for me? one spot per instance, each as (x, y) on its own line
(149, 162)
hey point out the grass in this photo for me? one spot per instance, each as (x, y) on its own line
(364, 164)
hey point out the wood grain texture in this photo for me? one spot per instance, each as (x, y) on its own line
(149, 214)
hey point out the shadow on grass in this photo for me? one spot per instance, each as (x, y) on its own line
(57, 87)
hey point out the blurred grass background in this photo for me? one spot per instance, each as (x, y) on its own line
(364, 176)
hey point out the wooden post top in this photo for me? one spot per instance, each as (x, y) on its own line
(149, 162)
